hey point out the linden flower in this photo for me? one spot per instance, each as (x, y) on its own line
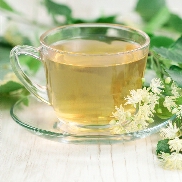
(136, 125)
(141, 96)
(145, 101)
(179, 112)
(118, 129)
(173, 161)
(121, 115)
(136, 97)
(144, 112)
(146, 95)
(170, 132)
(154, 99)
(175, 144)
(175, 90)
(156, 85)
(132, 127)
(169, 103)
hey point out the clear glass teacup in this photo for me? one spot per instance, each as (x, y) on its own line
(89, 69)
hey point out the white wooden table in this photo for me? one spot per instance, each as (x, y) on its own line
(28, 158)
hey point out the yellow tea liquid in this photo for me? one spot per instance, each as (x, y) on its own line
(85, 89)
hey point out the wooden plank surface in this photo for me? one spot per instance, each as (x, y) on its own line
(29, 158)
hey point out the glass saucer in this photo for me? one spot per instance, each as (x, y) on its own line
(40, 119)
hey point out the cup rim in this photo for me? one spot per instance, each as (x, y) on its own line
(119, 26)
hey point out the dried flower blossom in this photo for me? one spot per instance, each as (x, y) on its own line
(118, 129)
(179, 112)
(175, 144)
(141, 96)
(171, 161)
(136, 97)
(170, 132)
(144, 100)
(175, 90)
(121, 115)
(169, 103)
(156, 85)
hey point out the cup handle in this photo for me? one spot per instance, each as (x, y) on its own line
(38, 90)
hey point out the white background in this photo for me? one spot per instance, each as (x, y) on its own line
(88, 8)
(34, 10)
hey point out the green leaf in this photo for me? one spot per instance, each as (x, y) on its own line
(4, 43)
(163, 146)
(4, 53)
(168, 54)
(78, 20)
(4, 60)
(160, 41)
(158, 20)
(179, 101)
(9, 87)
(175, 22)
(106, 19)
(176, 46)
(175, 73)
(6, 6)
(25, 101)
(32, 63)
(149, 8)
(172, 53)
(58, 9)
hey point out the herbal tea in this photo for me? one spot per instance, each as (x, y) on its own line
(85, 84)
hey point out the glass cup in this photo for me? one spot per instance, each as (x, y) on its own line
(89, 69)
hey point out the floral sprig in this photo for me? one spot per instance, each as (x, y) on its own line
(144, 102)
(165, 99)
(172, 134)
(172, 139)
(171, 161)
